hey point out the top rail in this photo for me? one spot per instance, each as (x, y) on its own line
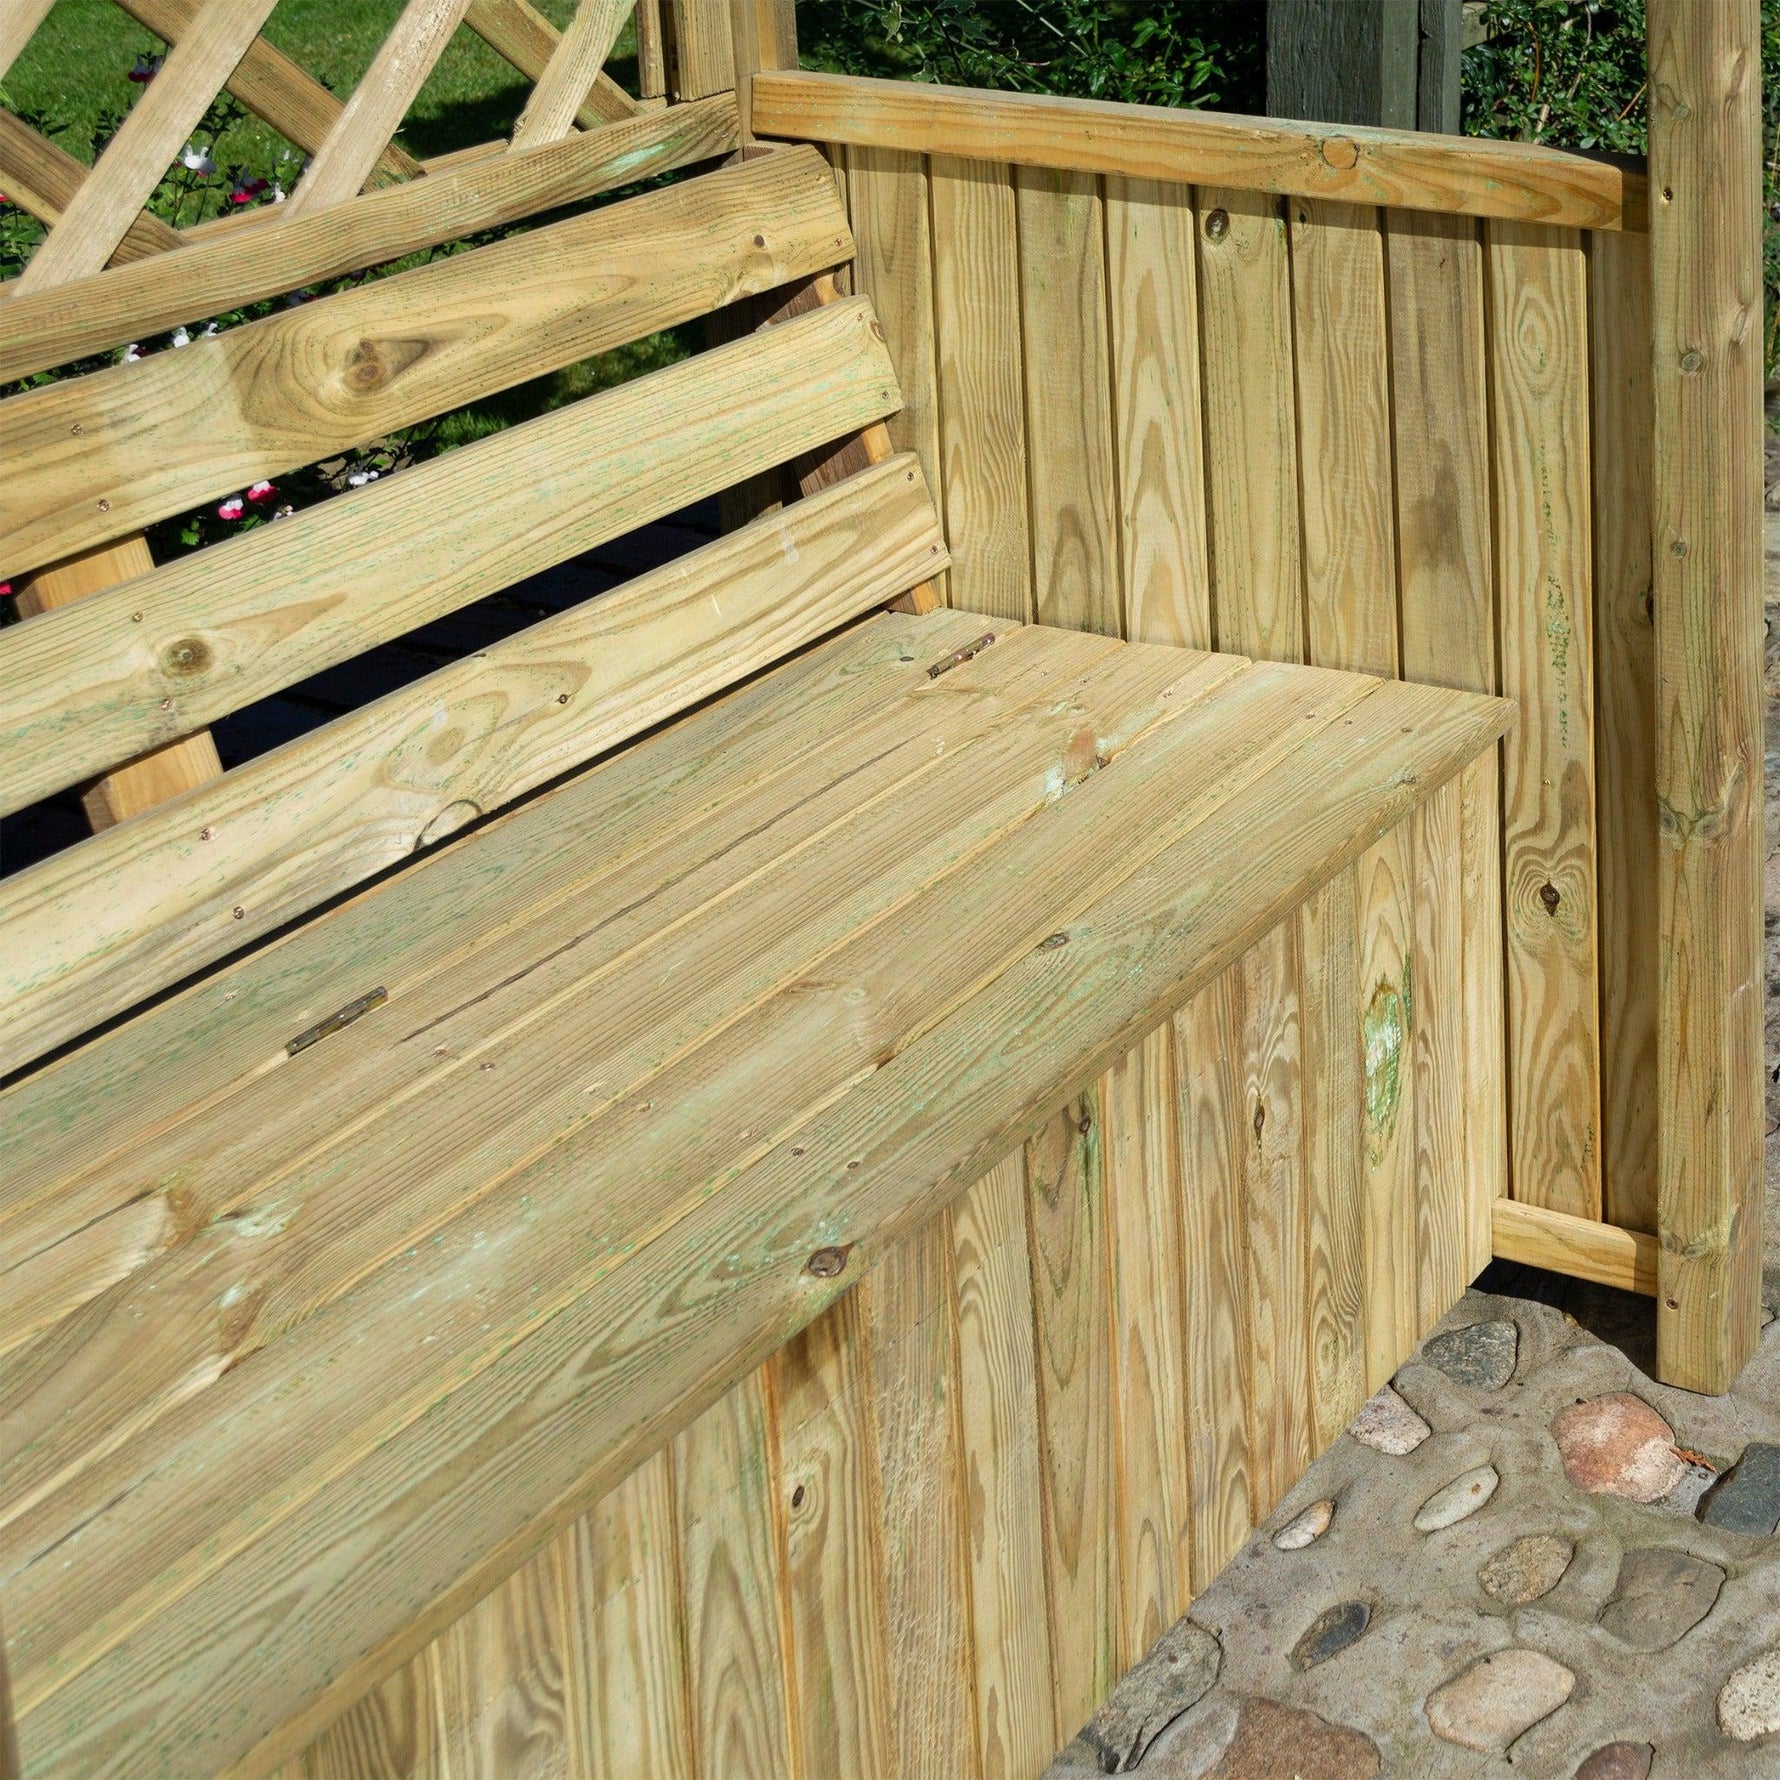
(1406, 170)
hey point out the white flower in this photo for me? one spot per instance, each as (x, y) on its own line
(208, 329)
(197, 160)
(181, 337)
(359, 478)
(130, 354)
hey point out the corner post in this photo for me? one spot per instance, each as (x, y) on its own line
(1706, 289)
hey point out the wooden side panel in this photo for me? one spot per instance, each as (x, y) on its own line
(1069, 421)
(976, 306)
(1625, 723)
(1153, 305)
(1539, 385)
(393, 1733)
(1250, 431)
(1078, 1433)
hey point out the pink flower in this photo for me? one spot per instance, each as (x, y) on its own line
(147, 67)
(232, 508)
(246, 190)
(5, 590)
(261, 491)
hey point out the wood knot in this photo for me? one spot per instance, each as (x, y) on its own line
(1341, 152)
(1549, 895)
(190, 655)
(1217, 225)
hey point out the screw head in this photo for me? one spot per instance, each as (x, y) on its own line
(1217, 225)
(828, 1263)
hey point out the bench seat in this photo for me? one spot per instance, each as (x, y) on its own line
(337, 1281)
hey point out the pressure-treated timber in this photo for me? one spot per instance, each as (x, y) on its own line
(120, 448)
(42, 178)
(18, 24)
(1180, 920)
(1584, 1248)
(91, 314)
(1705, 248)
(135, 160)
(1454, 174)
(521, 35)
(575, 64)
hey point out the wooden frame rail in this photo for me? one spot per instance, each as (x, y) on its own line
(1452, 175)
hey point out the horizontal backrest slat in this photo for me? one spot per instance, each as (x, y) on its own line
(118, 449)
(268, 254)
(140, 905)
(131, 668)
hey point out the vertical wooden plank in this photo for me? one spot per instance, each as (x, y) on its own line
(831, 1499)
(998, 1403)
(1437, 1041)
(729, 1569)
(704, 48)
(1338, 309)
(1251, 443)
(1078, 1436)
(393, 1733)
(1625, 722)
(626, 1683)
(1387, 1015)
(501, 1690)
(1143, 1189)
(1486, 1039)
(651, 51)
(1539, 386)
(1069, 425)
(1274, 1193)
(910, 1311)
(1334, 1150)
(1153, 305)
(1706, 307)
(1214, 1273)
(981, 379)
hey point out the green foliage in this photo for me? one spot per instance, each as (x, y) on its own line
(1566, 72)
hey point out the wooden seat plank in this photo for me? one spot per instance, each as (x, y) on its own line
(124, 447)
(954, 1040)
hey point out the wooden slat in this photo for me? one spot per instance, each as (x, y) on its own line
(830, 1501)
(19, 20)
(1625, 726)
(286, 832)
(99, 214)
(1486, 1049)
(1143, 1201)
(1539, 384)
(116, 450)
(628, 1686)
(651, 51)
(704, 48)
(374, 112)
(1078, 1435)
(1251, 433)
(393, 1733)
(574, 65)
(1153, 305)
(521, 35)
(1334, 1155)
(1398, 743)
(731, 1564)
(42, 178)
(1069, 416)
(981, 383)
(910, 1309)
(1705, 257)
(1214, 1280)
(413, 546)
(1016, 1730)
(1344, 455)
(286, 253)
(269, 84)
(1583, 1248)
(1404, 169)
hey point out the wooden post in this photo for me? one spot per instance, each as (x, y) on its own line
(1388, 62)
(1706, 278)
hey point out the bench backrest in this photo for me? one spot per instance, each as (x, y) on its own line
(128, 669)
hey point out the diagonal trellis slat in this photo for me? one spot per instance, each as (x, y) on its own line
(523, 37)
(574, 65)
(19, 20)
(41, 177)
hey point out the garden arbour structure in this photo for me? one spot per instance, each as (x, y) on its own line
(769, 1175)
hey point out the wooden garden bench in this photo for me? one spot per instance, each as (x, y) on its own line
(375, 1198)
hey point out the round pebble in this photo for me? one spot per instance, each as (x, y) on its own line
(1333, 1630)
(1306, 1528)
(1480, 1356)
(1527, 1569)
(1618, 1761)
(1749, 1702)
(1498, 1699)
(1618, 1445)
(1388, 1424)
(1457, 1500)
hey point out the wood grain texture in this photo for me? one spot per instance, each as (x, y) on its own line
(704, 48)
(1583, 1248)
(1705, 256)
(222, 272)
(520, 34)
(99, 214)
(1069, 416)
(1214, 1280)
(1539, 385)
(829, 1499)
(1626, 809)
(575, 64)
(1143, 1194)
(1153, 316)
(18, 25)
(1016, 1727)
(1344, 441)
(396, 1732)
(378, 103)
(42, 178)
(131, 444)
(1250, 427)
(1354, 165)
(981, 382)
(732, 1565)
(1487, 1086)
